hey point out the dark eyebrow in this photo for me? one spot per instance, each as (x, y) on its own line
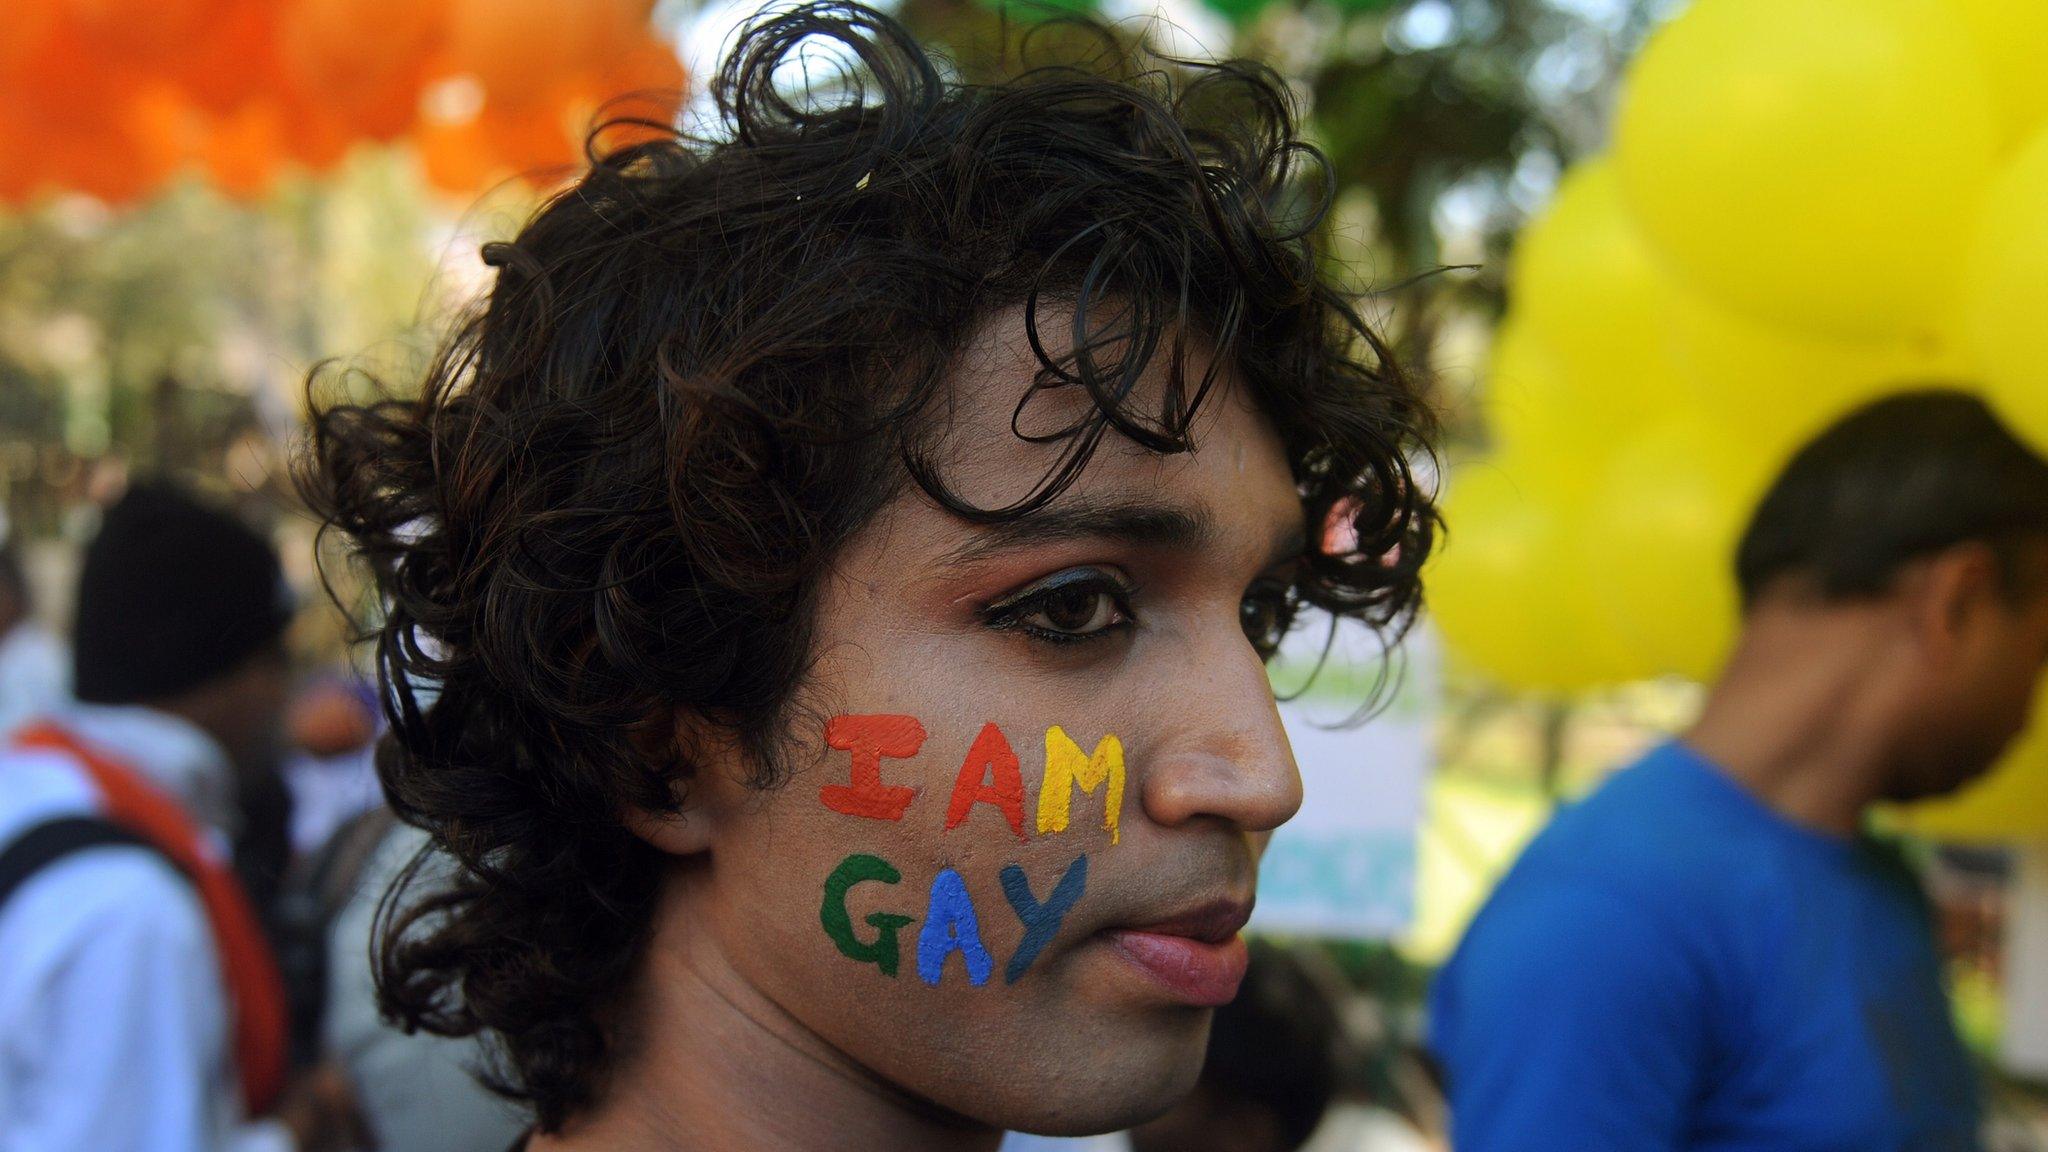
(1174, 526)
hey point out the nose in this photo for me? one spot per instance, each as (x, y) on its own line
(1226, 757)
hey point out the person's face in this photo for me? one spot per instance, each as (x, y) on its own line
(1135, 612)
(1981, 674)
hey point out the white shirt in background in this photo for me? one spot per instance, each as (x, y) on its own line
(35, 673)
(114, 1020)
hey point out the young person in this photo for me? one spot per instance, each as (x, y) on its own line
(842, 556)
(1708, 953)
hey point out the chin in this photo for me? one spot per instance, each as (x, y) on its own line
(1096, 1092)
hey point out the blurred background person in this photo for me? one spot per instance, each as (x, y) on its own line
(1711, 952)
(141, 1007)
(332, 726)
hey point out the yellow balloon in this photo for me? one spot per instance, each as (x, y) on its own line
(1782, 386)
(1507, 589)
(1536, 405)
(2010, 803)
(1662, 528)
(2005, 285)
(2012, 36)
(1809, 163)
(1585, 282)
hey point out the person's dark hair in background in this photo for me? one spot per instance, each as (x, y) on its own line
(1710, 950)
(1906, 476)
(173, 595)
(1271, 1069)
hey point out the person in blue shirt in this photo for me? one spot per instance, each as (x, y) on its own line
(1709, 953)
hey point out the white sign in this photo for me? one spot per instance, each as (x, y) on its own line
(1345, 867)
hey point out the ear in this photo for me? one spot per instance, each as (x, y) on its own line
(1951, 589)
(689, 828)
(683, 832)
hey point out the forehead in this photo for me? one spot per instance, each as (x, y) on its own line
(994, 453)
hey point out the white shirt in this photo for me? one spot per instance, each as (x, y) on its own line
(35, 673)
(114, 1020)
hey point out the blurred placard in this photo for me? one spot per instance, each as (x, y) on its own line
(1345, 867)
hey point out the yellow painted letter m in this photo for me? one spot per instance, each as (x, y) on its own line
(1065, 766)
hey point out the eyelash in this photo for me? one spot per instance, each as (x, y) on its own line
(1286, 603)
(1013, 613)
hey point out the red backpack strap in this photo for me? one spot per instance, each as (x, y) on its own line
(248, 967)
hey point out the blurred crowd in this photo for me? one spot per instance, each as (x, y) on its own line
(170, 741)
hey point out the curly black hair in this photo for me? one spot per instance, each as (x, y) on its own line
(708, 363)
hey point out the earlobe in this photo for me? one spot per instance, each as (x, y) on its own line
(677, 744)
(684, 832)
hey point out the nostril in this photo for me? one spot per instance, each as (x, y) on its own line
(1252, 792)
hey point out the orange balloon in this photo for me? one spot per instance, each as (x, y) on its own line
(317, 136)
(471, 135)
(173, 133)
(70, 80)
(366, 61)
(540, 143)
(76, 119)
(521, 49)
(21, 173)
(118, 164)
(457, 158)
(245, 150)
(233, 60)
(145, 32)
(24, 28)
(638, 96)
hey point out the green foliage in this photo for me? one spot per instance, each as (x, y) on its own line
(159, 335)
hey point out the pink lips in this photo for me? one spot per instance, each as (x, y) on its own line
(1199, 958)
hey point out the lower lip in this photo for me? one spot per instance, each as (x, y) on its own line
(1195, 971)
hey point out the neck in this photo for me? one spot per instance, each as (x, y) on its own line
(1800, 719)
(718, 1064)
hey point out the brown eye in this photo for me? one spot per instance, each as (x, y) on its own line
(1078, 604)
(1076, 611)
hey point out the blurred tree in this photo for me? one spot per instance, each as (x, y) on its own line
(160, 334)
(1447, 122)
